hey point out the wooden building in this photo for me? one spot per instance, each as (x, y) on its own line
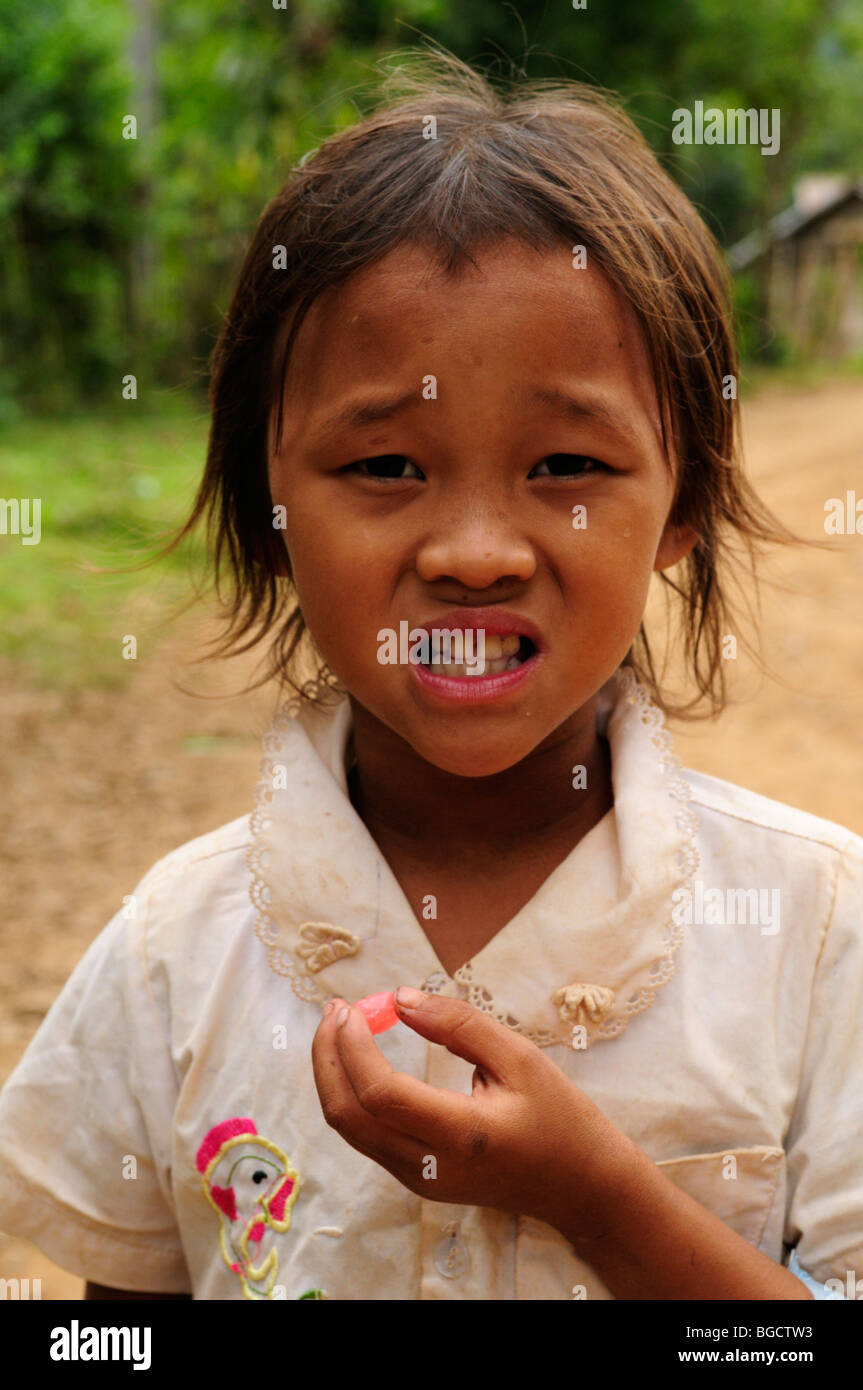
(809, 266)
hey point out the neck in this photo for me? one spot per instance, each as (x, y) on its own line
(406, 801)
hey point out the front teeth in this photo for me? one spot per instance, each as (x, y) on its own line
(486, 668)
(501, 654)
(496, 647)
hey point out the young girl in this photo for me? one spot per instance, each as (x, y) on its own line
(471, 382)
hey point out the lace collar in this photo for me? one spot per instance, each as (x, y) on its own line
(584, 955)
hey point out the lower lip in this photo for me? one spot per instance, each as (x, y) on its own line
(474, 690)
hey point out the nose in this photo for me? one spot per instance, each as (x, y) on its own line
(476, 551)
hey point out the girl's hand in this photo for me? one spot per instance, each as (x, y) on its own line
(526, 1141)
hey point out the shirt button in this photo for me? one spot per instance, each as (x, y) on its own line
(451, 1256)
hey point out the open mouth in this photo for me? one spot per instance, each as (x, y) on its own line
(505, 652)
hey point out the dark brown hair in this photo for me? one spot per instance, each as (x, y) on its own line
(545, 162)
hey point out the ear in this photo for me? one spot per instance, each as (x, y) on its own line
(675, 544)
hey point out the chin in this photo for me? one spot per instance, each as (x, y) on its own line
(471, 757)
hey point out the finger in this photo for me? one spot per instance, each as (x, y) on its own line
(370, 1136)
(467, 1032)
(399, 1101)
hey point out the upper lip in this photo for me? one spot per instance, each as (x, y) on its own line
(496, 622)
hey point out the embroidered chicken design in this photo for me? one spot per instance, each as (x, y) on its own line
(251, 1186)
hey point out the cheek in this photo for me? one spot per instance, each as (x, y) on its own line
(607, 575)
(343, 583)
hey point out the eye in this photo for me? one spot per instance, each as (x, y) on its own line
(568, 466)
(385, 466)
(259, 1176)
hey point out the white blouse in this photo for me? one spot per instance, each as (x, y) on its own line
(695, 965)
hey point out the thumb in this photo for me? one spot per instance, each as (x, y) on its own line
(467, 1032)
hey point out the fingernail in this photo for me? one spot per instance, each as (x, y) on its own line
(343, 1015)
(410, 998)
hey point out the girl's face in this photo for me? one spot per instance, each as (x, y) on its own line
(439, 432)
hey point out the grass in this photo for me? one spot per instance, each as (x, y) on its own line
(109, 484)
(803, 376)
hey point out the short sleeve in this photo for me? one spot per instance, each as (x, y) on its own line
(86, 1121)
(824, 1144)
(820, 1292)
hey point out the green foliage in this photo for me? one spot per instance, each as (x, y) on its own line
(117, 255)
(66, 192)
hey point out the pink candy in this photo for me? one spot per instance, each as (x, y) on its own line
(379, 1010)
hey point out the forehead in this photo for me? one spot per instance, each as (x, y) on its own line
(516, 310)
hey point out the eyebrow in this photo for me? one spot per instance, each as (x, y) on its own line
(570, 407)
(369, 413)
(575, 408)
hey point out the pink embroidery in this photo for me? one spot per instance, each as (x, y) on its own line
(217, 1136)
(226, 1200)
(257, 1231)
(277, 1203)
